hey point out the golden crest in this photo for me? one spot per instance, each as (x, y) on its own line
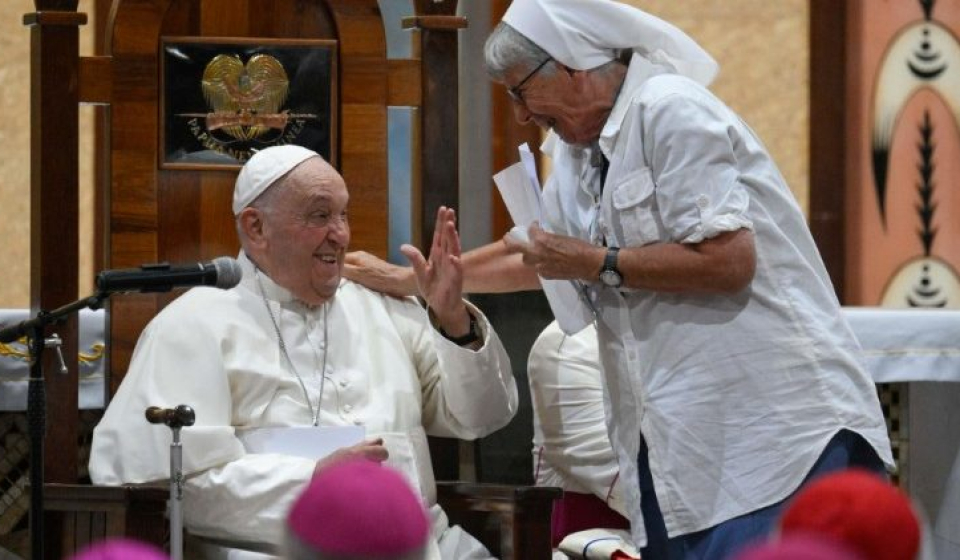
(245, 99)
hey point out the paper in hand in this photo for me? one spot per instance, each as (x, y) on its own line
(308, 442)
(519, 186)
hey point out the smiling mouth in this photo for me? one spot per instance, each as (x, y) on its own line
(327, 259)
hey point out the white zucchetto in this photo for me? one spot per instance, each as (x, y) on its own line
(584, 34)
(263, 169)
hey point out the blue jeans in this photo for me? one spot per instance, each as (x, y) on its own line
(725, 540)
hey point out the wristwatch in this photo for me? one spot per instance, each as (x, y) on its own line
(609, 274)
(472, 335)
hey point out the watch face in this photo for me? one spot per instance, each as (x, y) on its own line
(611, 278)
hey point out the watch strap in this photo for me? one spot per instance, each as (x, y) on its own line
(472, 335)
(610, 259)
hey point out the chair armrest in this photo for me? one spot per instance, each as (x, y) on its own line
(88, 513)
(512, 521)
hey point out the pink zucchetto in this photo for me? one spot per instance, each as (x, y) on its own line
(799, 547)
(584, 34)
(121, 549)
(360, 509)
(263, 169)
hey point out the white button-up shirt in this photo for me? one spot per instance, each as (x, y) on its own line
(736, 395)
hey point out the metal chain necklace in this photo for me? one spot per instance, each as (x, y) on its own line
(314, 413)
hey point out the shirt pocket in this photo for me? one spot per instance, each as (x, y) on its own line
(633, 212)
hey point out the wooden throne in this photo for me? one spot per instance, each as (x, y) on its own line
(152, 212)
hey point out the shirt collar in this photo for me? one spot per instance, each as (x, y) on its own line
(271, 290)
(639, 71)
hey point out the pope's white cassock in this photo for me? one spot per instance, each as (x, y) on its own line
(385, 368)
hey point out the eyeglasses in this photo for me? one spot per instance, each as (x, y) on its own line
(515, 92)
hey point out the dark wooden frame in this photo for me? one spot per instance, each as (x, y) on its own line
(255, 42)
(93, 513)
(828, 135)
(513, 522)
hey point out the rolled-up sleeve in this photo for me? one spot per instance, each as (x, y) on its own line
(699, 189)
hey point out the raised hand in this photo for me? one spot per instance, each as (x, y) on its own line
(440, 276)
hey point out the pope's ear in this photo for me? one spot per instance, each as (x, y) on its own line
(251, 223)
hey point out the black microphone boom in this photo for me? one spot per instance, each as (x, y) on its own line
(221, 272)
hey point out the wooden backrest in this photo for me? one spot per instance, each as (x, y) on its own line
(157, 213)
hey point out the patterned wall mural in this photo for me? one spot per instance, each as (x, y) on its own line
(904, 243)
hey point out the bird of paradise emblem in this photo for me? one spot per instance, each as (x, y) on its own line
(246, 106)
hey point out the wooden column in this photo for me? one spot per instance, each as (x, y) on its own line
(438, 25)
(54, 202)
(828, 138)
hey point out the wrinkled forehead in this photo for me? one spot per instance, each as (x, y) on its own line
(316, 181)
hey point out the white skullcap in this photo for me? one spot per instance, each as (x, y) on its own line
(263, 169)
(584, 34)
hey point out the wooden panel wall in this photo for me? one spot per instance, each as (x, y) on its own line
(184, 215)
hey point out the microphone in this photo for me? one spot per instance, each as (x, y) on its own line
(177, 417)
(221, 272)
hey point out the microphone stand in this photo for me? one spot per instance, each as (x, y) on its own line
(37, 399)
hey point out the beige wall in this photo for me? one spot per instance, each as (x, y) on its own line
(761, 46)
(763, 51)
(15, 157)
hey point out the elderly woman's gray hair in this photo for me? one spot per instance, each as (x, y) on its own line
(506, 49)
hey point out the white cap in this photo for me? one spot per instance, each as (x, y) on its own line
(584, 34)
(263, 169)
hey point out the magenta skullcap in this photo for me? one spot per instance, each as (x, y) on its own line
(360, 508)
(263, 169)
(121, 549)
(799, 547)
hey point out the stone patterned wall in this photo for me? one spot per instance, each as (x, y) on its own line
(15, 157)
(763, 51)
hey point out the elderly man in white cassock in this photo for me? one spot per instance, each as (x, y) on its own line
(294, 345)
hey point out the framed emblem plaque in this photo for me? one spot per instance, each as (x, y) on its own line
(225, 98)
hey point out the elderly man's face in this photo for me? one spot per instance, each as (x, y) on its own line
(305, 232)
(556, 99)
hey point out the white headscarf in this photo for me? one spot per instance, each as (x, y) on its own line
(584, 34)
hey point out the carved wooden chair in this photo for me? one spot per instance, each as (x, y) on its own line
(149, 211)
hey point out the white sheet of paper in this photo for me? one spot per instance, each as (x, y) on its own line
(300, 441)
(523, 203)
(530, 165)
(519, 187)
(571, 313)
